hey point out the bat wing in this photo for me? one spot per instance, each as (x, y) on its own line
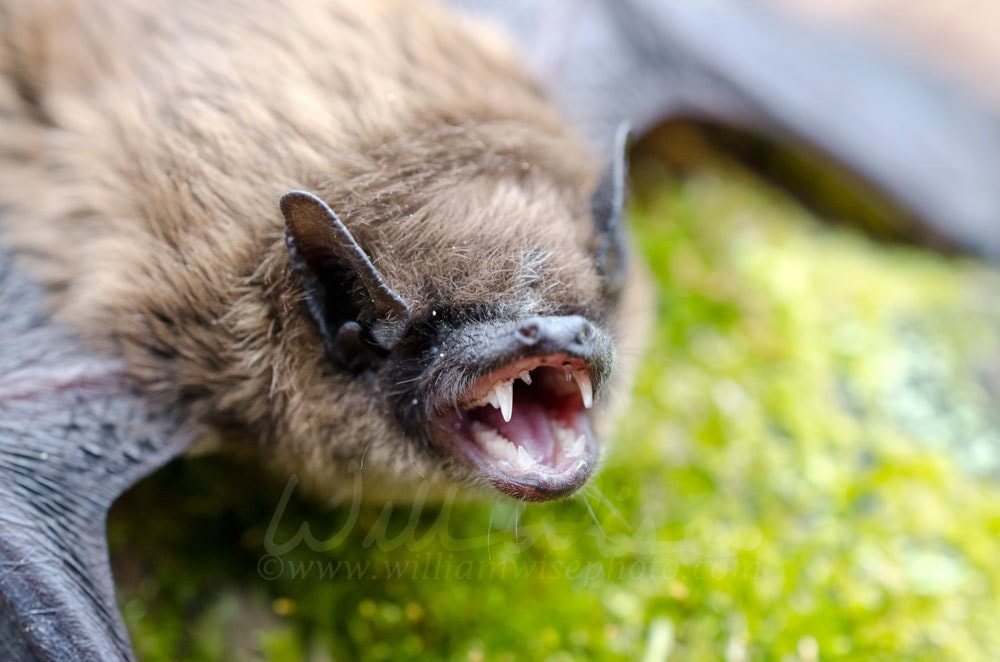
(932, 149)
(73, 436)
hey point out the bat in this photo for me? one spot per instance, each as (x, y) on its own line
(351, 247)
(424, 271)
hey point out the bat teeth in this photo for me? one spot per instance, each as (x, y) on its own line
(586, 388)
(525, 377)
(562, 433)
(503, 394)
(578, 448)
(573, 445)
(524, 459)
(494, 443)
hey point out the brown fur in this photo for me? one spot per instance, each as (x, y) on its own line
(145, 146)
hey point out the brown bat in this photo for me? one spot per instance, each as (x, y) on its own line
(453, 321)
(443, 301)
(336, 231)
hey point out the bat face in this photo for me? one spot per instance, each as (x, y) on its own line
(490, 369)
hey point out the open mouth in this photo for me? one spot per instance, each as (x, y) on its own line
(526, 426)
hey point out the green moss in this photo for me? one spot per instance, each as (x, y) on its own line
(808, 465)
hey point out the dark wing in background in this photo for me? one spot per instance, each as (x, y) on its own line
(930, 148)
(73, 437)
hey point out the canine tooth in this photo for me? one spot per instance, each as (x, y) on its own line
(525, 377)
(578, 448)
(586, 388)
(524, 458)
(504, 393)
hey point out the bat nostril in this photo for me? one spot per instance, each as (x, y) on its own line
(585, 334)
(528, 333)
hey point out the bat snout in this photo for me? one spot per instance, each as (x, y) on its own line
(523, 422)
(570, 333)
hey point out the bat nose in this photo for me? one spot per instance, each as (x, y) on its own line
(493, 344)
(571, 333)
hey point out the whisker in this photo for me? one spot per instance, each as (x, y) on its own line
(415, 467)
(586, 502)
(610, 506)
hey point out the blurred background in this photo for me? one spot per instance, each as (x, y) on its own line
(808, 467)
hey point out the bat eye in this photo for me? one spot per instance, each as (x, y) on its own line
(359, 317)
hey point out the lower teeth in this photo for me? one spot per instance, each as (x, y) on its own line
(494, 443)
(570, 443)
(570, 446)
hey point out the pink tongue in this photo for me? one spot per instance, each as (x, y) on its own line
(528, 427)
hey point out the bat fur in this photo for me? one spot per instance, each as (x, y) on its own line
(146, 144)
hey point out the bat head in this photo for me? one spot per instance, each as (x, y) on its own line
(475, 310)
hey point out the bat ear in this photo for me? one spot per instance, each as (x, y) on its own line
(606, 206)
(359, 316)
